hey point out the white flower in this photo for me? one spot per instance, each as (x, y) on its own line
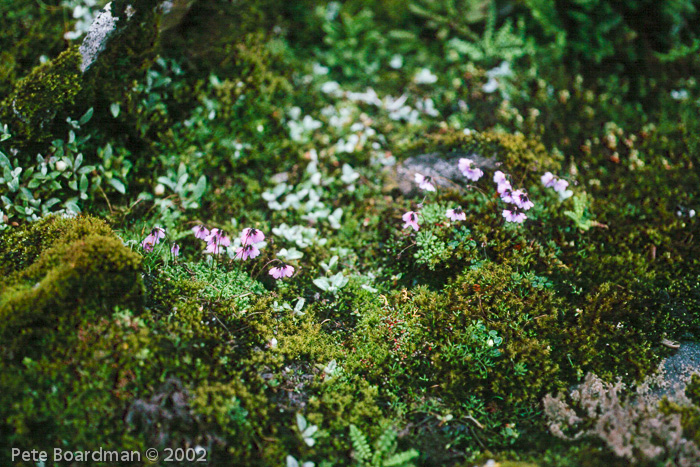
(424, 76)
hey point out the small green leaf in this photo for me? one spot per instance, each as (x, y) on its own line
(87, 116)
(200, 187)
(83, 183)
(72, 206)
(118, 185)
(4, 161)
(114, 108)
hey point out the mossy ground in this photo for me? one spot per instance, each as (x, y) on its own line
(443, 340)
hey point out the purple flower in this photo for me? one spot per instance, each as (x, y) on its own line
(507, 195)
(200, 232)
(279, 272)
(560, 186)
(148, 244)
(247, 251)
(425, 182)
(521, 200)
(213, 246)
(175, 250)
(153, 239)
(217, 237)
(411, 220)
(250, 236)
(456, 214)
(548, 179)
(514, 215)
(214, 233)
(499, 177)
(469, 170)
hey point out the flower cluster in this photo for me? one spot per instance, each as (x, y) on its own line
(559, 185)
(216, 239)
(249, 239)
(518, 198)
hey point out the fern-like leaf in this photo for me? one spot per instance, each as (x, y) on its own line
(384, 446)
(360, 444)
(401, 459)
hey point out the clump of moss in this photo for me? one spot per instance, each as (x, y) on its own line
(20, 246)
(73, 269)
(36, 99)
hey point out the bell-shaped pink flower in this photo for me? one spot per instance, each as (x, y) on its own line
(247, 251)
(411, 220)
(148, 244)
(548, 179)
(499, 177)
(456, 214)
(175, 250)
(514, 215)
(424, 182)
(200, 232)
(153, 239)
(285, 270)
(250, 236)
(469, 170)
(521, 200)
(560, 186)
(213, 247)
(507, 195)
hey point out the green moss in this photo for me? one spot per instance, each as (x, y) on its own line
(522, 157)
(28, 30)
(74, 270)
(29, 110)
(20, 247)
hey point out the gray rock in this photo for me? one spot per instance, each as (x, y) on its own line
(678, 368)
(95, 42)
(441, 167)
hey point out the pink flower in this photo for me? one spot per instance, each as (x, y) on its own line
(175, 250)
(548, 179)
(425, 182)
(503, 187)
(560, 186)
(499, 177)
(213, 246)
(456, 214)
(507, 194)
(153, 239)
(200, 232)
(214, 233)
(411, 220)
(219, 237)
(521, 200)
(469, 170)
(247, 251)
(148, 244)
(279, 272)
(514, 215)
(250, 236)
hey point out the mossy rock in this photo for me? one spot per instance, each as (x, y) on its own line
(28, 30)
(526, 159)
(29, 110)
(74, 268)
